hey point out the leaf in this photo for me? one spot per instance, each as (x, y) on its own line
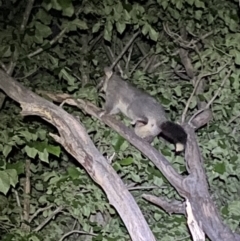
(56, 5)
(68, 77)
(145, 29)
(18, 166)
(118, 144)
(107, 35)
(126, 161)
(6, 150)
(28, 135)
(153, 34)
(4, 182)
(42, 30)
(47, 6)
(96, 27)
(158, 181)
(199, 4)
(41, 134)
(193, 103)
(190, 2)
(164, 4)
(220, 168)
(5, 51)
(179, 5)
(157, 216)
(120, 27)
(54, 150)
(136, 178)
(178, 91)
(233, 25)
(80, 24)
(174, 13)
(234, 208)
(73, 172)
(118, 7)
(210, 18)
(31, 152)
(43, 156)
(65, 3)
(126, 15)
(237, 57)
(198, 14)
(13, 176)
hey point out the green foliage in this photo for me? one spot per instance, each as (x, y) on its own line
(74, 65)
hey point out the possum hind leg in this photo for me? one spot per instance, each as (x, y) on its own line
(110, 107)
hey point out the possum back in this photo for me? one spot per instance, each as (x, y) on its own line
(134, 101)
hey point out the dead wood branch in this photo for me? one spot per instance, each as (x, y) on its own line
(193, 187)
(169, 206)
(74, 138)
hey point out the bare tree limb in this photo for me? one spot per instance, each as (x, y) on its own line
(214, 97)
(199, 78)
(74, 138)
(53, 41)
(76, 141)
(58, 210)
(26, 202)
(26, 15)
(124, 49)
(39, 211)
(18, 203)
(169, 206)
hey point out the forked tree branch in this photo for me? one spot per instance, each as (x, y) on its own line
(75, 140)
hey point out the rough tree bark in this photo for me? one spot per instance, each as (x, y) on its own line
(74, 138)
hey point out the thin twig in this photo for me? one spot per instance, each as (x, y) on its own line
(95, 42)
(76, 231)
(18, 203)
(233, 119)
(151, 60)
(27, 190)
(58, 210)
(124, 50)
(4, 67)
(183, 43)
(39, 211)
(27, 75)
(144, 188)
(26, 15)
(213, 98)
(113, 57)
(53, 41)
(129, 58)
(195, 88)
(139, 62)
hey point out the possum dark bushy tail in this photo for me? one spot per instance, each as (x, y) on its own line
(175, 133)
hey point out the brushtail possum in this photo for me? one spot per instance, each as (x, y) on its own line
(146, 113)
